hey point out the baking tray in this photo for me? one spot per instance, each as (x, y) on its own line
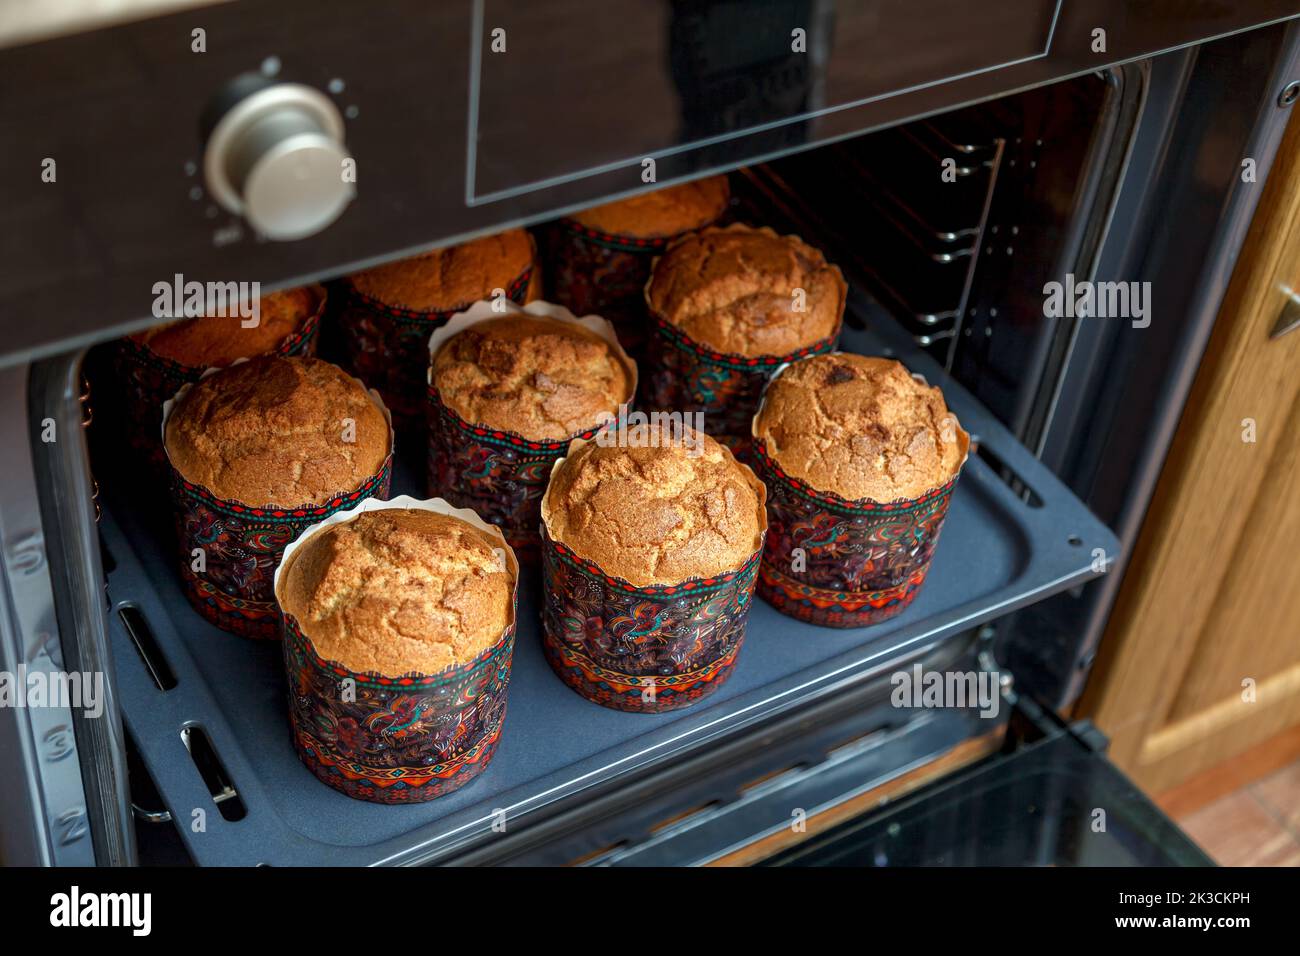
(1001, 549)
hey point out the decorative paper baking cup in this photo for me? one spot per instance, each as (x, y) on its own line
(841, 563)
(644, 649)
(593, 271)
(687, 376)
(404, 739)
(149, 380)
(241, 545)
(387, 347)
(501, 474)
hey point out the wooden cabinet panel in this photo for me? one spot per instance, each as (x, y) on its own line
(1246, 629)
(1211, 599)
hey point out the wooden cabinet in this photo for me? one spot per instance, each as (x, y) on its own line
(1202, 657)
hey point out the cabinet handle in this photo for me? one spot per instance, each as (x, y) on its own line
(1289, 318)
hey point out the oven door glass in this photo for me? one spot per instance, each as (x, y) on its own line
(1055, 802)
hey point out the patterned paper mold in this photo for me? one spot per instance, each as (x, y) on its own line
(687, 376)
(592, 271)
(603, 270)
(241, 546)
(643, 649)
(840, 563)
(397, 739)
(501, 474)
(149, 380)
(387, 347)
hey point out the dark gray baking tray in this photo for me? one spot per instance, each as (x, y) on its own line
(997, 553)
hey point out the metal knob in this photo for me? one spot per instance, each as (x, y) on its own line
(277, 157)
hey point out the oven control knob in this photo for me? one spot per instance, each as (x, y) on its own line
(276, 156)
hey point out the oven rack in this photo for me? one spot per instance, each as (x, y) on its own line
(909, 238)
(222, 727)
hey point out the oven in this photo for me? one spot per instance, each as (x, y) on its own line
(954, 160)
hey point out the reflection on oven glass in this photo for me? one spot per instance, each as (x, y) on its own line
(740, 66)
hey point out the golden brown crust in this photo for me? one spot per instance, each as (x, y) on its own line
(860, 427)
(450, 278)
(542, 378)
(399, 591)
(215, 341)
(274, 430)
(656, 515)
(733, 290)
(661, 213)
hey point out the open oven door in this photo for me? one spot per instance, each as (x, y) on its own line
(1035, 791)
(1050, 798)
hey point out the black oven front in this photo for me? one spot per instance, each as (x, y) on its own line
(954, 160)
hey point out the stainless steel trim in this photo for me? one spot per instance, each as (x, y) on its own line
(41, 781)
(1084, 262)
(67, 516)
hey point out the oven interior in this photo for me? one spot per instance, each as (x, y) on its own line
(946, 264)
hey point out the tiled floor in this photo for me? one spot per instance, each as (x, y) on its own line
(1257, 825)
